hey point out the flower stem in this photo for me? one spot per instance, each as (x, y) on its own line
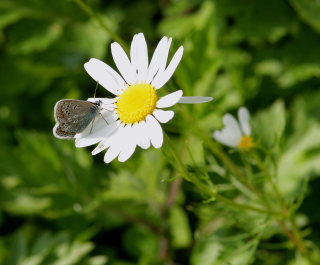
(213, 147)
(86, 8)
(239, 205)
(264, 169)
(293, 231)
(204, 187)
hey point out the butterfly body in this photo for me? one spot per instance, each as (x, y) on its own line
(73, 116)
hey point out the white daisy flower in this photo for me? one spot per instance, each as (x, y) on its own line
(236, 134)
(132, 118)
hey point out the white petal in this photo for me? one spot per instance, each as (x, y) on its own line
(101, 129)
(163, 115)
(106, 103)
(127, 152)
(223, 138)
(244, 118)
(231, 134)
(128, 136)
(118, 78)
(122, 62)
(128, 143)
(232, 125)
(159, 58)
(134, 134)
(122, 145)
(83, 142)
(170, 99)
(107, 142)
(141, 130)
(194, 100)
(163, 77)
(93, 137)
(112, 153)
(139, 57)
(104, 75)
(154, 131)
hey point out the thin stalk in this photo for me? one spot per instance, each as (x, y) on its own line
(300, 243)
(293, 233)
(213, 147)
(224, 158)
(264, 169)
(240, 205)
(203, 187)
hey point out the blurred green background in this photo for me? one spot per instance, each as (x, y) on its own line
(59, 205)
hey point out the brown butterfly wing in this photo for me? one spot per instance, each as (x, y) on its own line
(73, 116)
(61, 132)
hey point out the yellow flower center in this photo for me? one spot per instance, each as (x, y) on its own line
(246, 143)
(136, 103)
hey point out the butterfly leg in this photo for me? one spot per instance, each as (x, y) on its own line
(104, 118)
(92, 125)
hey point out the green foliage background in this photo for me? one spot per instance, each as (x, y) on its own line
(59, 205)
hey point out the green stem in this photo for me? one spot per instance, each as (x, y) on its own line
(264, 169)
(213, 147)
(240, 205)
(300, 241)
(293, 233)
(203, 187)
(223, 157)
(86, 8)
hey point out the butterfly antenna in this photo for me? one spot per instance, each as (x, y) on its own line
(95, 90)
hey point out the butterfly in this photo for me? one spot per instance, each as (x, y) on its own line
(73, 116)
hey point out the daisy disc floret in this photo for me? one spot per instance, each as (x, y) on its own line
(235, 133)
(136, 103)
(132, 118)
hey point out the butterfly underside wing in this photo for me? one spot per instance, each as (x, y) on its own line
(73, 116)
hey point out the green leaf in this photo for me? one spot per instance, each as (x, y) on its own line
(300, 159)
(268, 125)
(142, 244)
(179, 26)
(34, 35)
(24, 204)
(71, 254)
(180, 228)
(309, 11)
(216, 251)
(206, 253)
(19, 246)
(275, 18)
(32, 246)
